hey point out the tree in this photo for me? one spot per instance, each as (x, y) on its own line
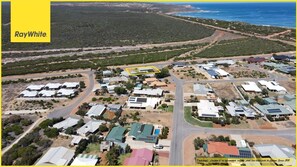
(120, 90)
(163, 73)
(112, 156)
(46, 123)
(265, 92)
(129, 85)
(103, 128)
(198, 143)
(70, 131)
(94, 99)
(82, 84)
(51, 132)
(81, 112)
(232, 142)
(82, 145)
(128, 149)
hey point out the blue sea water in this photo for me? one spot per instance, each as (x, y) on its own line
(269, 14)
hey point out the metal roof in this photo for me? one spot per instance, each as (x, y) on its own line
(116, 134)
(56, 156)
(96, 110)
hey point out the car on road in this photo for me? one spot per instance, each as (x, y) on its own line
(158, 146)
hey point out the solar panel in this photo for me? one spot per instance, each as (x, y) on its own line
(277, 110)
(141, 99)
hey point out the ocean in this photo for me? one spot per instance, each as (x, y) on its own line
(281, 14)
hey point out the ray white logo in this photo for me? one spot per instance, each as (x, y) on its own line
(29, 34)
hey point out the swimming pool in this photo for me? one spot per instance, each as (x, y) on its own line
(157, 132)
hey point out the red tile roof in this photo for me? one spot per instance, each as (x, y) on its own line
(140, 157)
(221, 148)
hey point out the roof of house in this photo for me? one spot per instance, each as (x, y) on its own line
(221, 62)
(56, 156)
(53, 85)
(116, 134)
(27, 93)
(76, 139)
(236, 110)
(271, 85)
(158, 84)
(35, 87)
(142, 101)
(221, 72)
(290, 100)
(273, 109)
(47, 93)
(66, 92)
(150, 80)
(85, 160)
(251, 87)
(268, 100)
(140, 157)
(221, 148)
(282, 57)
(143, 132)
(207, 109)
(276, 151)
(151, 92)
(256, 59)
(69, 122)
(70, 84)
(90, 126)
(96, 110)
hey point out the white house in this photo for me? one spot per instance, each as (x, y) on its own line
(272, 86)
(47, 93)
(89, 127)
(207, 109)
(149, 92)
(59, 156)
(35, 87)
(70, 85)
(251, 87)
(66, 93)
(28, 94)
(85, 160)
(53, 86)
(69, 122)
(96, 110)
(143, 102)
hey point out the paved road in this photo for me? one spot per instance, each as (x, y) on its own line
(65, 111)
(4, 150)
(181, 129)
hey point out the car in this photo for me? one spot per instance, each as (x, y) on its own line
(158, 146)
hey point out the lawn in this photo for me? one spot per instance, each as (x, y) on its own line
(169, 108)
(193, 121)
(93, 148)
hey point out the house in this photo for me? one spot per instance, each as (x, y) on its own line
(255, 59)
(207, 109)
(273, 110)
(116, 134)
(148, 81)
(107, 73)
(69, 122)
(143, 102)
(29, 94)
(224, 62)
(272, 86)
(53, 86)
(158, 84)
(66, 93)
(221, 148)
(35, 87)
(276, 151)
(47, 93)
(105, 146)
(290, 101)
(149, 92)
(96, 110)
(202, 90)
(282, 57)
(70, 85)
(90, 127)
(116, 108)
(213, 74)
(221, 73)
(251, 87)
(179, 64)
(235, 110)
(85, 160)
(268, 100)
(115, 80)
(143, 132)
(239, 141)
(76, 139)
(140, 157)
(283, 68)
(59, 156)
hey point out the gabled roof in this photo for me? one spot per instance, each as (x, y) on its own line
(53, 85)
(90, 126)
(35, 87)
(56, 156)
(96, 110)
(70, 84)
(273, 109)
(251, 87)
(140, 157)
(85, 160)
(116, 134)
(27, 93)
(221, 148)
(69, 122)
(143, 132)
(152, 92)
(66, 92)
(47, 93)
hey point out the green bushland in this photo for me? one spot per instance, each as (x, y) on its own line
(78, 26)
(244, 46)
(194, 121)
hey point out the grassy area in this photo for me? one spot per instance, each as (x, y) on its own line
(123, 157)
(194, 121)
(169, 108)
(93, 148)
(245, 46)
(79, 26)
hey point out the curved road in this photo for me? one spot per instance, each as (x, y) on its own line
(65, 111)
(181, 129)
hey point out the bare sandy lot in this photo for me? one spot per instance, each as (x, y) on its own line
(225, 90)
(11, 91)
(289, 85)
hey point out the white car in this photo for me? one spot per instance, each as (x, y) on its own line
(157, 146)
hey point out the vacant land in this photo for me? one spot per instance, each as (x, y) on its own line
(225, 90)
(81, 26)
(189, 73)
(244, 46)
